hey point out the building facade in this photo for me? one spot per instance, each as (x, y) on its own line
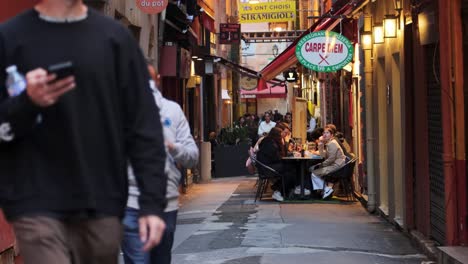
(415, 109)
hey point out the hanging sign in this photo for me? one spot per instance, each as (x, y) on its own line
(267, 12)
(152, 6)
(229, 33)
(324, 51)
(290, 75)
(248, 83)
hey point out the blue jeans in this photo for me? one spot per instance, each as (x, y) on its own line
(132, 246)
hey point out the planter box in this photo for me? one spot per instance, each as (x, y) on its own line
(230, 160)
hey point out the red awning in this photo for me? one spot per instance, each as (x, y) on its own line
(269, 90)
(208, 22)
(327, 22)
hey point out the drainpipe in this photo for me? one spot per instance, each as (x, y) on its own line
(369, 84)
(371, 203)
(368, 58)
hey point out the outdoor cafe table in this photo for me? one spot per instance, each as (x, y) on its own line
(303, 163)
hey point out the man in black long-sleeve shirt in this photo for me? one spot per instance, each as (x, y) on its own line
(65, 143)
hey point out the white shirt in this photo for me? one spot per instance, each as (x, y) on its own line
(265, 127)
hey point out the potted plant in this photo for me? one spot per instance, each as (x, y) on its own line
(232, 152)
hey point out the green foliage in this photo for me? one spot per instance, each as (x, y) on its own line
(233, 135)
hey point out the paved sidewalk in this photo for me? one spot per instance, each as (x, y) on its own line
(220, 223)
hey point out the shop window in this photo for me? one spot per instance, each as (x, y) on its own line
(249, 105)
(212, 43)
(278, 26)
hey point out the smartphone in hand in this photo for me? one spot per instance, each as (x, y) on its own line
(62, 69)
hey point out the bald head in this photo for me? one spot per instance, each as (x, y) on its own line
(155, 75)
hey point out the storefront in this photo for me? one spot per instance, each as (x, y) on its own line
(332, 96)
(259, 100)
(415, 117)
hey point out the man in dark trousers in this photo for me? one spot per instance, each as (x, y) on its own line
(67, 141)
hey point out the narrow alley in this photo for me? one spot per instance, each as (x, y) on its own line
(220, 223)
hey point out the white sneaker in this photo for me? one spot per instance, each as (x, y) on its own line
(328, 191)
(277, 196)
(297, 190)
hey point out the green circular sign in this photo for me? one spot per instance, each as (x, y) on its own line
(324, 51)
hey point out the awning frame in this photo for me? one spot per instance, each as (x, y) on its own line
(242, 70)
(327, 21)
(262, 84)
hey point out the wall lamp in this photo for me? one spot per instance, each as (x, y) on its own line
(366, 35)
(366, 40)
(378, 33)
(392, 22)
(398, 6)
(390, 26)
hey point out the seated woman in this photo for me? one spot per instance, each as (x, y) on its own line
(270, 152)
(286, 136)
(333, 154)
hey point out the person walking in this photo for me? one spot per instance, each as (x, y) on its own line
(67, 137)
(182, 151)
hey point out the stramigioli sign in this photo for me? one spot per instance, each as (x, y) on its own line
(267, 12)
(152, 6)
(324, 51)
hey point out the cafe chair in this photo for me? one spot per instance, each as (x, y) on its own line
(343, 176)
(265, 173)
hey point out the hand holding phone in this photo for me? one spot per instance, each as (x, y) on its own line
(44, 89)
(61, 70)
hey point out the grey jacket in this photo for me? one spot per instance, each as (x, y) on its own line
(334, 158)
(185, 153)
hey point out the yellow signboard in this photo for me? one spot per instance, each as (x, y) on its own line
(267, 12)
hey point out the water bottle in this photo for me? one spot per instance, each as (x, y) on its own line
(15, 82)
